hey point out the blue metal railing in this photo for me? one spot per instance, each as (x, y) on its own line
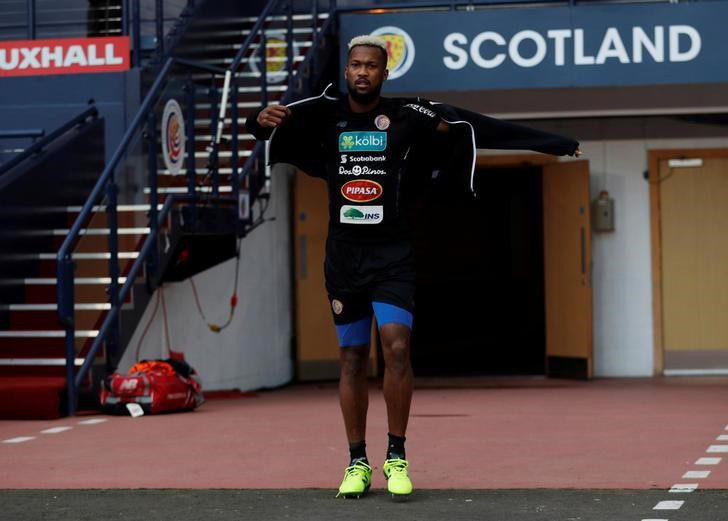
(39, 145)
(22, 133)
(107, 185)
(15, 135)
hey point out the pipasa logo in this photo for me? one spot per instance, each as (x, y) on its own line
(400, 49)
(361, 214)
(362, 141)
(361, 190)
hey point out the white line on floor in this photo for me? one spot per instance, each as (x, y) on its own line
(722, 437)
(19, 439)
(696, 474)
(717, 448)
(708, 461)
(668, 505)
(92, 421)
(655, 520)
(683, 487)
(56, 430)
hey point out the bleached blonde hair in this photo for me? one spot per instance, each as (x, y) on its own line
(370, 41)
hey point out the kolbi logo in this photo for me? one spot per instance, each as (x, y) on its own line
(400, 49)
(361, 214)
(362, 141)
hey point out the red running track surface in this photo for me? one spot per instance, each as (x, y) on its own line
(490, 433)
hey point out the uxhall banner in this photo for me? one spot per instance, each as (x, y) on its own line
(521, 47)
(64, 56)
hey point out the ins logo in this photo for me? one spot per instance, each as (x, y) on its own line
(361, 214)
(361, 190)
(400, 49)
(362, 141)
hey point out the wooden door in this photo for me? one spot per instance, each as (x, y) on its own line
(567, 269)
(693, 220)
(317, 347)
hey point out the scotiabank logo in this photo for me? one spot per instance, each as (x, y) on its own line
(64, 56)
(361, 190)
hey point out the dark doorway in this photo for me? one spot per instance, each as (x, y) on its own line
(480, 278)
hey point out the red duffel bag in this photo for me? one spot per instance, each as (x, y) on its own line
(155, 385)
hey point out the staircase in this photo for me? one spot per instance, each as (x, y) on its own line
(33, 371)
(216, 42)
(32, 352)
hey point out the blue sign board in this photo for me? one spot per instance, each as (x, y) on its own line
(578, 46)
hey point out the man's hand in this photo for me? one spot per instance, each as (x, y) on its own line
(577, 152)
(273, 115)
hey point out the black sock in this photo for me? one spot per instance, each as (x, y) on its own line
(395, 447)
(358, 452)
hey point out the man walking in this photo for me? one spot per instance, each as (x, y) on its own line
(361, 143)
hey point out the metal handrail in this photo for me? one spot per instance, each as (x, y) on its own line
(22, 133)
(36, 147)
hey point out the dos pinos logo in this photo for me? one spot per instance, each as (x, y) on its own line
(400, 49)
(362, 141)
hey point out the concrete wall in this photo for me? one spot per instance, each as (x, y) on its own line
(622, 277)
(255, 351)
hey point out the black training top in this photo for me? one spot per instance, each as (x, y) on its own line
(365, 159)
(365, 162)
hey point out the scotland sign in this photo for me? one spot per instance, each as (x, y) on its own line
(606, 45)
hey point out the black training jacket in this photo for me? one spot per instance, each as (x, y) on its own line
(371, 160)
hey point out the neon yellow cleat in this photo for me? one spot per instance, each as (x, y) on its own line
(398, 482)
(357, 479)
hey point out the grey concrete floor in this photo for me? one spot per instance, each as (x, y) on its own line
(309, 505)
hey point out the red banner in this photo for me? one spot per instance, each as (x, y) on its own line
(64, 56)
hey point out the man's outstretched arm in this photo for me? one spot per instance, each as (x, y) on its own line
(497, 134)
(494, 133)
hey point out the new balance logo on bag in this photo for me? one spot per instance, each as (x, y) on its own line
(156, 385)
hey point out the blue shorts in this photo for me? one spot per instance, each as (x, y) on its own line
(358, 333)
(369, 279)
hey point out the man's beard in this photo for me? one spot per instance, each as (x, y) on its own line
(365, 98)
